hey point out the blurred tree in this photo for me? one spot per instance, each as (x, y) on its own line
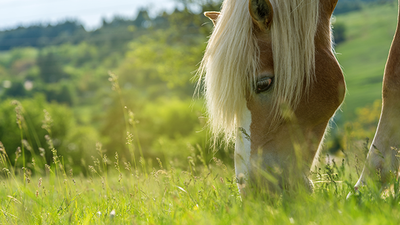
(42, 35)
(345, 6)
(61, 93)
(50, 68)
(339, 32)
(16, 90)
(142, 20)
(205, 5)
(156, 68)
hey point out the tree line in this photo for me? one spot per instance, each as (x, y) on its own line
(121, 30)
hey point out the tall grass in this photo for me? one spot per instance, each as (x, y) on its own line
(119, 191)
(201, 193)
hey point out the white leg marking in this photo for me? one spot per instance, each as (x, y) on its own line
(383, 150)
(243, 148)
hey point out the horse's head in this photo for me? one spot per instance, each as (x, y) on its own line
(272, 83)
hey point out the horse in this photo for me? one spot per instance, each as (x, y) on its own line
(382, 158)
(271, 83)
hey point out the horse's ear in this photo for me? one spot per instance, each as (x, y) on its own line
(213, 16)
(261, 12)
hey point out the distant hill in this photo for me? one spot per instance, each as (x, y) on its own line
(119, 31)
(363, 54)
(345, 6)
(42, 35)
(70, 32)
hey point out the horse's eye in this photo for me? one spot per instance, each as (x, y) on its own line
(263, 84)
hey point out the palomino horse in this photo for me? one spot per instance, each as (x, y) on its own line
(272, 83)
(383, 153)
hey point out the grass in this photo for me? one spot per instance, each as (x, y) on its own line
(148, 191)
(202, 193)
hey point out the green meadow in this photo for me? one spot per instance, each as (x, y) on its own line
(131, 146)
(363, 55)
(197, 192)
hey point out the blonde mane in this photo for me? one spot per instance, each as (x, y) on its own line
(231, 59)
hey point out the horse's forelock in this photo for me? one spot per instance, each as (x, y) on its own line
(228, 66)
(293, 48)
(231, 60)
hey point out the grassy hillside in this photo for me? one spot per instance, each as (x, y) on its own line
(363, 55)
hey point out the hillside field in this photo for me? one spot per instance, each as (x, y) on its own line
(363, 55)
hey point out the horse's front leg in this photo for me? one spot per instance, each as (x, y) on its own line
(383, 159)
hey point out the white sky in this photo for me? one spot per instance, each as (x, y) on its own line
(89, 12)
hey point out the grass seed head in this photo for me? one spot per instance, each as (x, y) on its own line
(2, 149)
(47, 122)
